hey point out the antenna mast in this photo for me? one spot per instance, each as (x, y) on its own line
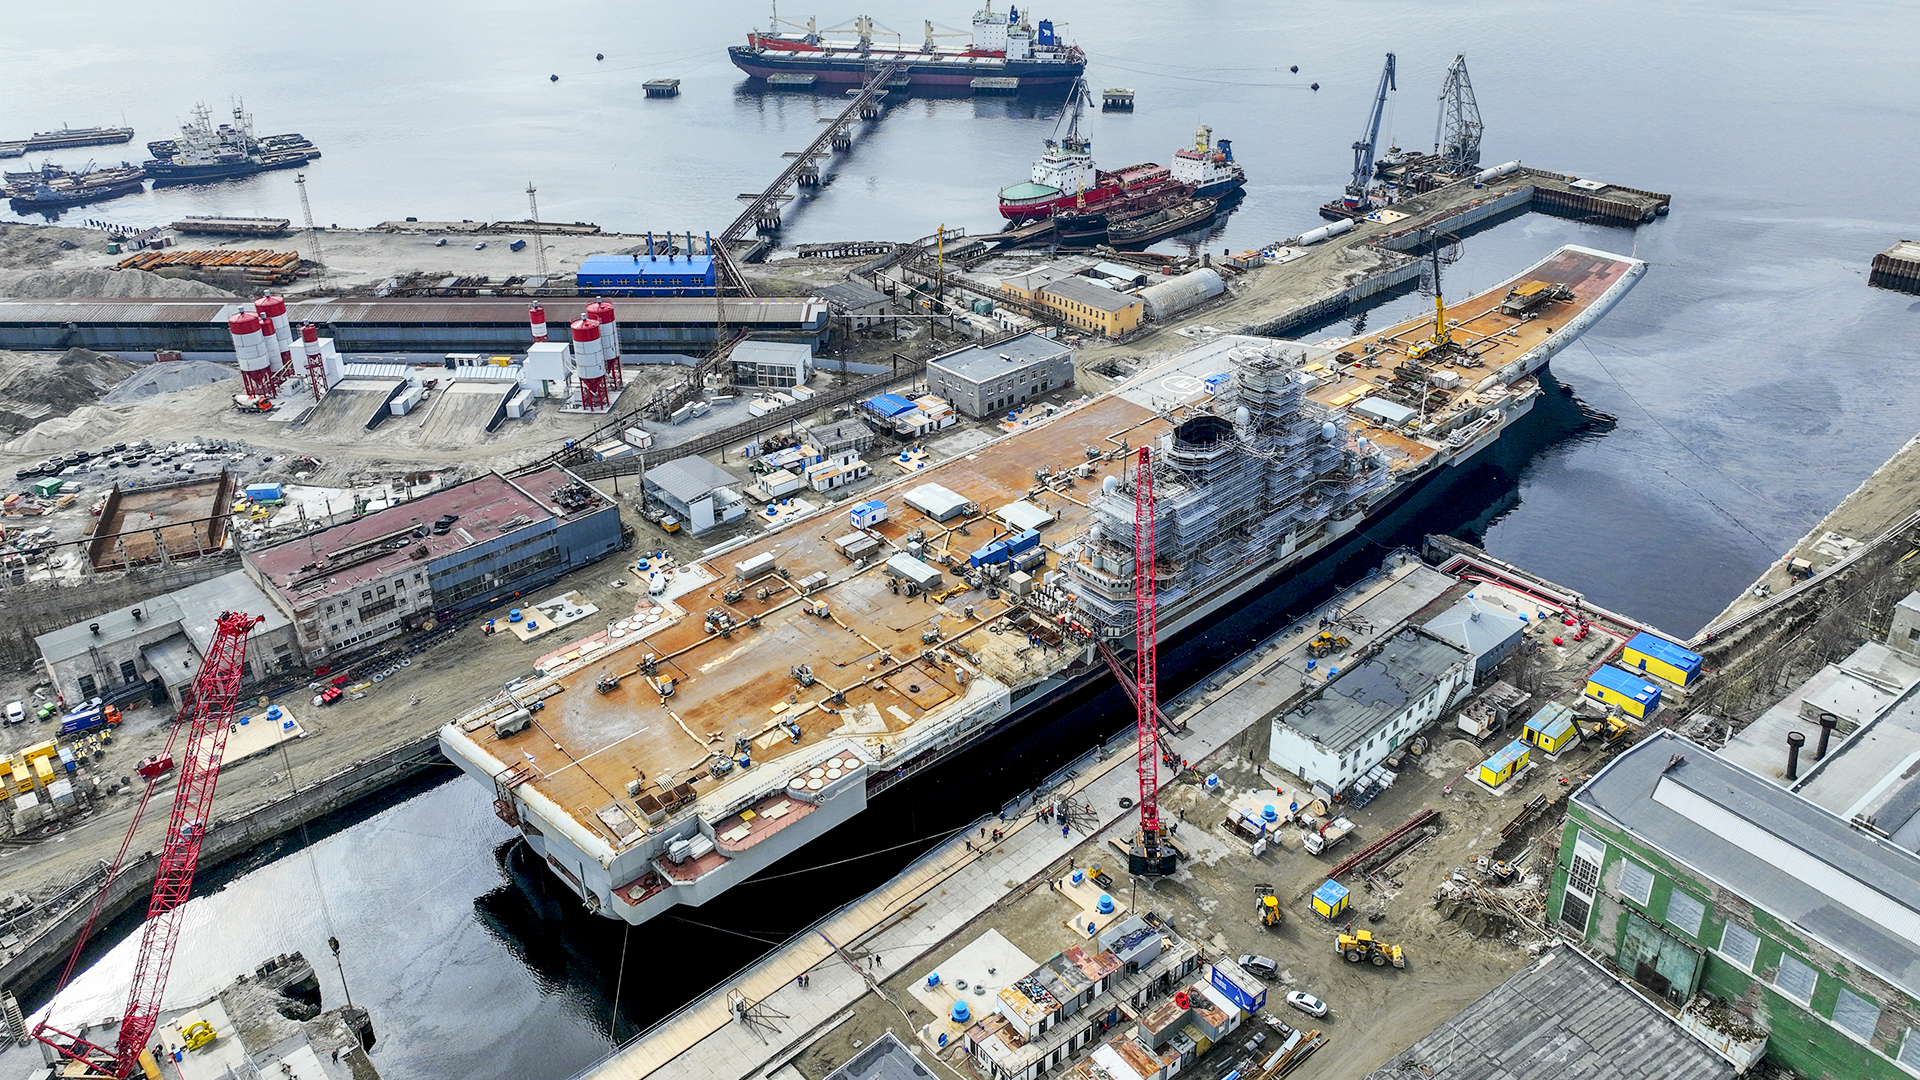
(306, 209)
(539, 238)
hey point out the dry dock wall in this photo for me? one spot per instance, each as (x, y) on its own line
(227, 839)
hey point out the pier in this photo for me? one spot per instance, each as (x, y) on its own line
(1898, 267)
(763, 209)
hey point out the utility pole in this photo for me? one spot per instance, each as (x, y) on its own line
(539, 238)
(306, 209)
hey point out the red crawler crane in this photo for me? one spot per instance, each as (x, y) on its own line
(206, 718)
(1150, 852)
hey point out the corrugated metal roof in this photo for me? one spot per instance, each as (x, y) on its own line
(1665, 651)
(741, 311)
(690, 478)
(1560, 1018)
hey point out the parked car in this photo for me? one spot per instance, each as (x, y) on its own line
(1260, 966)
(1306, 1003)
(16, 712)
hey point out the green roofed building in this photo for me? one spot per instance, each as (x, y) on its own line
(1770, 925)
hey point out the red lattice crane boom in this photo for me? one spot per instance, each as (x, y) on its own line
(1150, 853)
(206, 721)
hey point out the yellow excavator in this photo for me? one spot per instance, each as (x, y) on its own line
(1361, 945)
(1609, 727)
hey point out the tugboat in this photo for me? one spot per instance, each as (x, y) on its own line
(1002, 47)
(203, 152)
(1209, 166)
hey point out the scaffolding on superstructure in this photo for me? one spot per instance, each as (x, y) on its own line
(1251, 478)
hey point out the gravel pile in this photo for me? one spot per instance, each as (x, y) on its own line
(38, 386)
(97, 282)
(169, 378)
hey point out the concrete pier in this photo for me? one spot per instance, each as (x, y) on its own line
(1898, 267)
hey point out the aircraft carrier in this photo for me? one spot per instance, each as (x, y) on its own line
(767, 693)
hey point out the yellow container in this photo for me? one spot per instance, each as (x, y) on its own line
(43, 771)
(1500, 768)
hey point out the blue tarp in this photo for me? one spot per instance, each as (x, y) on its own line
(889, 405)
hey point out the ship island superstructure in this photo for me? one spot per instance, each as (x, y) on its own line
(773, 689)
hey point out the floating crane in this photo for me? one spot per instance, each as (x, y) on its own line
(1456, 134)
(206, 719)
(1358, 198)
(1150, 853)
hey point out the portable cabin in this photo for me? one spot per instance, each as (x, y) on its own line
(1661, 658)
(1633, 694)
(1551, 729)
(1330, 900)
(1502, 766)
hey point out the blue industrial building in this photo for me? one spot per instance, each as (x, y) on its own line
(645, 275)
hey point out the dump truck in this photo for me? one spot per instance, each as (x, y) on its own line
(1329, 834)
(88, 717)
(1361, 945)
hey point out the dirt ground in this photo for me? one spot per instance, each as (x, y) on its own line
(1455, 953)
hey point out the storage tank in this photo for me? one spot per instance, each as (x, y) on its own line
(316, 360)
(1496, 172)
(279, 337)
(537, 319)
(1324, 232)
(588, 364)
(250, 348)
(1175, 295)
(601, 311)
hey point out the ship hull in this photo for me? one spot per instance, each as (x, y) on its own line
(166, 174)
(76, 198)
(851, 68)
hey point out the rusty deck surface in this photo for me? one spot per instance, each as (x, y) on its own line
(1477, 323)
(727, 688)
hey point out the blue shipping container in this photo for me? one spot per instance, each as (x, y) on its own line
(265, 492)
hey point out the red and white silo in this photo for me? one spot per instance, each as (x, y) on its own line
(537, 319)
(589, 364)
(316, 360)
(601, 311)
(250, 348)
(278, 334)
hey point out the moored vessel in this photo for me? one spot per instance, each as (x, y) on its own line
(1160, 224)
(1001, 47)
(1208, 166)
(204, 152)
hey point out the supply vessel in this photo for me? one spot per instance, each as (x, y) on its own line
(1001, 47)
(204, 152)
(758, 698)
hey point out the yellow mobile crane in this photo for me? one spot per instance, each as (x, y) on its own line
(1442, 336)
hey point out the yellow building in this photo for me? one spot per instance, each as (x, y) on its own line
(1659, 657)
(1551, 729)
(1024, 286)
(1091, 307)
(1629, 692)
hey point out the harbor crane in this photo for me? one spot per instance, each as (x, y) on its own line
(1357, 190)
(1151, 853)
(1456, 134)
(206, 718)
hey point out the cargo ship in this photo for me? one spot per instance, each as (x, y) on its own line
(206, 153)
(1002, 47)
(757, 699)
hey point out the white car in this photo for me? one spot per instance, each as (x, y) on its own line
(1306, 1003)
(16, 712)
